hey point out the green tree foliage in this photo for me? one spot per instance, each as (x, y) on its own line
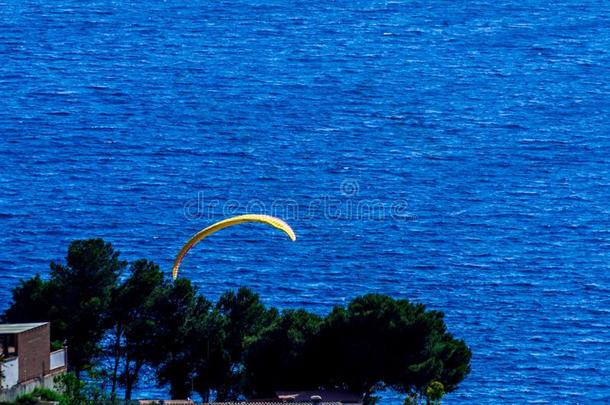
(245, 316)
(238, 346)
(279, 357)
(32, 300)
(135, 323)
(75, 391)
(435, 392)
(177, 313)
(204, 343)
(83, 289)
(378, 342)
(75, 299)
(207, 348)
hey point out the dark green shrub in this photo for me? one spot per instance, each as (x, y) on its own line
(47, 394)
(27, 399)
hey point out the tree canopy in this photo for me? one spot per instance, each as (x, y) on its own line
(118, 323)
(75, 299)
(379, 342)
(280, 356)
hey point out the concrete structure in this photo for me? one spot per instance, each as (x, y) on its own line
(254, 402)
(334, 396)
(317, 397)
(28, 361)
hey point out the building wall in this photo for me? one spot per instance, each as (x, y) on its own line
(33, 349)
(47, 381)
(58, 359)
(10, 373)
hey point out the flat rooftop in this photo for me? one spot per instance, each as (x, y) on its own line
(12, 328)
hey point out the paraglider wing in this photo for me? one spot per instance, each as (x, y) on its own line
(199, 236)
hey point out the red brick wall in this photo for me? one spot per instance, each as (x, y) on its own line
(34, 349)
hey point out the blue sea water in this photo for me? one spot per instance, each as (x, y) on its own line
(453, 153)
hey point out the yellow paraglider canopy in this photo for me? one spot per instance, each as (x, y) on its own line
(199, 236)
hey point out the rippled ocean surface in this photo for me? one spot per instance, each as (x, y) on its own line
(453, 153)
